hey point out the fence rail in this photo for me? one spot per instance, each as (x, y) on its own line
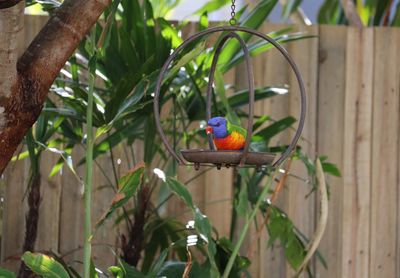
(352, 77)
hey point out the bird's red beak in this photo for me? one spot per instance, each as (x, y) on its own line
(209, 130)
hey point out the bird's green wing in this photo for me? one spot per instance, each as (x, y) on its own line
(238, 129)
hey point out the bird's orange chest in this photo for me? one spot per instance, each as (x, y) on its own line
(234, 141)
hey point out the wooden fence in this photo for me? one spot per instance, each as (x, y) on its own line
(352, 77)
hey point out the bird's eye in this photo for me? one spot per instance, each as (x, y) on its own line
(218, 124)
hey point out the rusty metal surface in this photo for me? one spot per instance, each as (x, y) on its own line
(227, 158)
(210, 154)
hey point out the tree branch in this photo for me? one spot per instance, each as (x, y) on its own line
(5, 4)
(39, 66)
(351, 13)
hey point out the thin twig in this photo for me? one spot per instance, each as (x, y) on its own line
(350, 11)
(386, 18)
(188, 265)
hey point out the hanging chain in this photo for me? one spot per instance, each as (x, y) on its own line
(232, 21)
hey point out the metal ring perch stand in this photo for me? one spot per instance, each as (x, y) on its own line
(230, 158)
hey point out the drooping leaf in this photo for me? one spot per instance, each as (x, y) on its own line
(128, 186)
(203, 22)
(329, 12)
(180, 190)
(44, 265)
(211, 6)
(6, 274)
(253, 20)
(241, 98)
(202, 224)
(331, 168)
(267, 133)
(157, 265)
(281, 228)
(289, 7)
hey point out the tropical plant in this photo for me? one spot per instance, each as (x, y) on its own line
(124, 54)
(353, 12)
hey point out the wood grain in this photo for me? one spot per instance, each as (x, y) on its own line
(384, 154)
(331, 88)
(357, 153)
(300, 208)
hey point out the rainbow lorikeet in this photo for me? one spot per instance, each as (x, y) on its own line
(227, 136)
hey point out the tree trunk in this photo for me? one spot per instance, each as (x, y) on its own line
(11, 27)
(24, 84)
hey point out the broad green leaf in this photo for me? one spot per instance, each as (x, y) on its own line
(260, 121)
(180, 190)
(331, 168)
(162, 8)
(267, 133)
(169, 32)
(56, 168)
(241, 98)
(44, 265)
(185, 59)
(289, 7)
(253, 20)
(21, 156)
(157, 265)
(294, 251)
(281, 228)
(203, 22)
(6, 274)
(93, 272)
(116, 271)
(329, 12)
(127, 187)
(211, 6)
(260, 46)
(202, 224)
(102, 130)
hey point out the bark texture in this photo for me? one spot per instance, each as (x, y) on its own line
(24, 88)
(31, 222)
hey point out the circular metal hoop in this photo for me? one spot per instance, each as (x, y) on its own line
(250, 80)
(232, 29)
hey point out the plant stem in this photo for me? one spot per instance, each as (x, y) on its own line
(87, 248)
(249, 220)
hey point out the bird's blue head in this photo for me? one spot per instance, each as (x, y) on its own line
(218, 126)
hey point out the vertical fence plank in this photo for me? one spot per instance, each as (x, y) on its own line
(271, 68)
(305, 54)
(13, 232)
(49, 210)
(357, 153)
(384, 153)
(71, 213)
(105, 237)
(331, 87)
